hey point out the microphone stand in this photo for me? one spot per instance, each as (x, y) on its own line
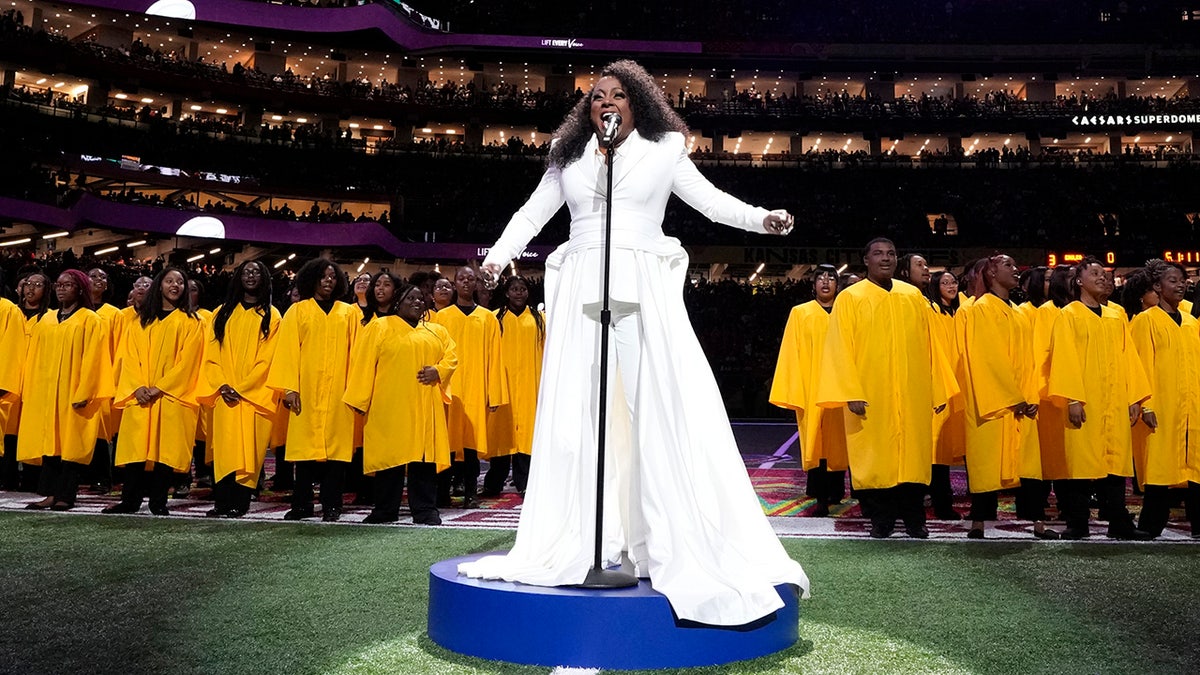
(598, 576)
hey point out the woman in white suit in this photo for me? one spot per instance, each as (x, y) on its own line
(678, 501)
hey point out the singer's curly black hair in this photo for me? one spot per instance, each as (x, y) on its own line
(653, 116)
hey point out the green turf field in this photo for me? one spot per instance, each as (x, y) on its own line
(138, 595)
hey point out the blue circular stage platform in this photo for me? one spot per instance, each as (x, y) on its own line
(630, 628)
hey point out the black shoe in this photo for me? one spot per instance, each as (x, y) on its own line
(1129, 533)
(331, 515)
(40, 505)
(102, 488)
(212, 513)
(880, 531)
(160, 510)
(431, 518)
(949, 514)
(182, 491)
(121, 507)
(1047, 535)
(974, 533)
(489, 492)
(234, 513)
(820, 510)
(917, 531)
(1073, 534)
(62, 506)
(470, 502)
(299, 514)
(375, 518)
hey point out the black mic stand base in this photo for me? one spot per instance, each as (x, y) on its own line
(600, 578)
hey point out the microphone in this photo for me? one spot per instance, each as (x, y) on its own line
(612, 121)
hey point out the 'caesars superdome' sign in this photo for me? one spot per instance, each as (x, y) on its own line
(1135, 120)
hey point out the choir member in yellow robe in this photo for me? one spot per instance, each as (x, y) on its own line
(999, 383)
(202, 450)
(312, 361)
(398, 378)
(1096, 372)
(949, 443)
(821, 433)
(382, 301)
(160, 368)
(522, 340)
(14, 340)
(1052, 414)
(123, 319)
(237, 358)
(33, 294)
(478, 388)
(1138, 294)
(443, 295)
(284, 479)
(67, 376)
(100, 471)
(1035, 287)
(883, 368)
(1166, 443)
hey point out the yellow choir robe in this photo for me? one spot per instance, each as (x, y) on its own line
(14, 340)
(1185, 306)
(949, 442)
(999, 371)
(1093, 360)
(109, 419)
(521, 347)
(1052, 414)
(204, 424)
(821, 431)
(405, 420)
(240, 432)
(166, 354)
(1170, 354)
(479, 380)
(312, 357)
(67, 363)
(1028, 310)
(881, 349)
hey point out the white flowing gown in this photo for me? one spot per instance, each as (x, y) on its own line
(677, 496)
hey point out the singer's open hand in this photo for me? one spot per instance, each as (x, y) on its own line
(778, 221)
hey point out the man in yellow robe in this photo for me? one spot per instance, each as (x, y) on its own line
(478, 388)
(67, 377)
(883, 369)
(237, 358)
(1166, 443)
(399, 374)
(312, 361)
(821, 433)
(1096, 374)
(160, 367)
